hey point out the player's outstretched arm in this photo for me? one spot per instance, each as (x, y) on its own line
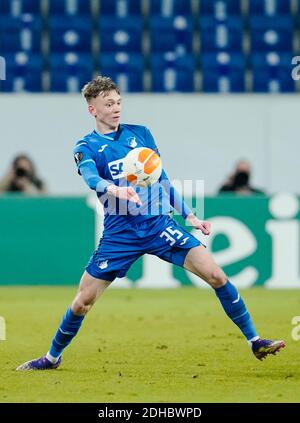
(124, 193)
(90, 174)
(180, 205)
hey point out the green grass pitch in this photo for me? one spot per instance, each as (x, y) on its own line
(149, 346)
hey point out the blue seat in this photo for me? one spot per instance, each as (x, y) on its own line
(121, 8)
(273, 79)
(129, 81)
(269, 7)
(172, 72)
(25, 21)
(30, 81)
(71, 63)
(19, 62)
(70, 8)
(127, 68)
(231, 82)
(223, 61)
(171, 80)
(223, 72)
(70, 71)
(24, 72)
(11, 41)
(121, 62)
(171, 34)
(272, 59)
(18, 7)
(220, 8)
(298, 17)
(20, 33)
(272, 71)
(72, 34)
(171, 60)
(169, 8)
(221, 34)
(268, 34)
(64, 82)
(118, 34)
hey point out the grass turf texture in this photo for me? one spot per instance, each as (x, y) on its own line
(149, 346)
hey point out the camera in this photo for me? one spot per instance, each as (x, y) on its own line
(21, 172)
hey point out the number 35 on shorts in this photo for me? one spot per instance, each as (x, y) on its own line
(172, 235)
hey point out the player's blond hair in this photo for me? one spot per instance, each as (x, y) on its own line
(99, 85)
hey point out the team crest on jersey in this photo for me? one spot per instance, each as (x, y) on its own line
(132, 142)
(103, 264)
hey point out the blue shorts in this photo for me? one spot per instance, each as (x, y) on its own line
(160, 236)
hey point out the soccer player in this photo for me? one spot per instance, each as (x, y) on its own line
(130, 234)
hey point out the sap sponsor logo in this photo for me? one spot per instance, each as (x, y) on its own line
(116, 169)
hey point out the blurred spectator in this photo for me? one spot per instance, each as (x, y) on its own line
(22, 177)
(239, 181)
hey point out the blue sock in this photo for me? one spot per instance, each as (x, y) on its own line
(235, 308)
(67, 330)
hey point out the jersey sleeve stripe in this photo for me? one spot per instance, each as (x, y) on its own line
(86, 161)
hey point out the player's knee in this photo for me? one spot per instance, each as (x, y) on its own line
(80, 307)
(217, 277)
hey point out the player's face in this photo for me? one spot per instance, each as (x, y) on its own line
(107, 110)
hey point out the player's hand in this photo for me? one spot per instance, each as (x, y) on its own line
(203, 226)
(124, 193)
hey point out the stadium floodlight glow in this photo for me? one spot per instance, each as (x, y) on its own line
(2, 69)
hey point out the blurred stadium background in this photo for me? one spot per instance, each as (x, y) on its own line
(150, 45)
(215, 81)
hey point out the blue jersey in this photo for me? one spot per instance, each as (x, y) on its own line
(99, 159)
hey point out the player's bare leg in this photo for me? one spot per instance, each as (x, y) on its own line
(200, 262)
(89, 290)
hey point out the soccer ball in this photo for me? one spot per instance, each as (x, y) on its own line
(142, 167)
